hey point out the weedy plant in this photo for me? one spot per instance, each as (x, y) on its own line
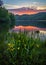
(22, 50)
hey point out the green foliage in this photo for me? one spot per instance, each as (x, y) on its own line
(12, 18)
(4, 19)
(18, 49)
(21, 50)
(7, 20)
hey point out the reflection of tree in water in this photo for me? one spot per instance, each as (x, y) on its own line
(35, 34)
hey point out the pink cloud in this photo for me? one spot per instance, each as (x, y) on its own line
(22, 11)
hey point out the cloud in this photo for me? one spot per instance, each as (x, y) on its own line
(41, 8)
(34, 6)
(25, 10)
(9, 6)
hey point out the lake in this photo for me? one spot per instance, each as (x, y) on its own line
(36, 23)
(31, 25)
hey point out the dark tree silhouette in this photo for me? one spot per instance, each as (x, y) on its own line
(1, 2)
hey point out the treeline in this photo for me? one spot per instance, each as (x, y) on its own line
(38, 16)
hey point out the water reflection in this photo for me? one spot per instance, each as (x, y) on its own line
(29, 28)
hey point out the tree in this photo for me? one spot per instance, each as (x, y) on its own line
(7, 20)
(5, 24)
(12, 19)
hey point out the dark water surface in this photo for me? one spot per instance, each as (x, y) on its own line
(37, 23)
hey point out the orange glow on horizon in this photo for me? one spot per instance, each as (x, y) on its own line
(24, 12)
(21, 13)
(29, 12)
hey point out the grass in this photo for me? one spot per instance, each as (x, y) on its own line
(18, 49)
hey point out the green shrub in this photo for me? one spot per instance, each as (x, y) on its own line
(6, 22)
(22, 50)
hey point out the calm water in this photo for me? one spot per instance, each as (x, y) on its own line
(31, 26)
(37, 23)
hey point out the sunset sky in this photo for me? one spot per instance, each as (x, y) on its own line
(31, 6)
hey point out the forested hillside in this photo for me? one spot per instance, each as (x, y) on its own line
(38, 16)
